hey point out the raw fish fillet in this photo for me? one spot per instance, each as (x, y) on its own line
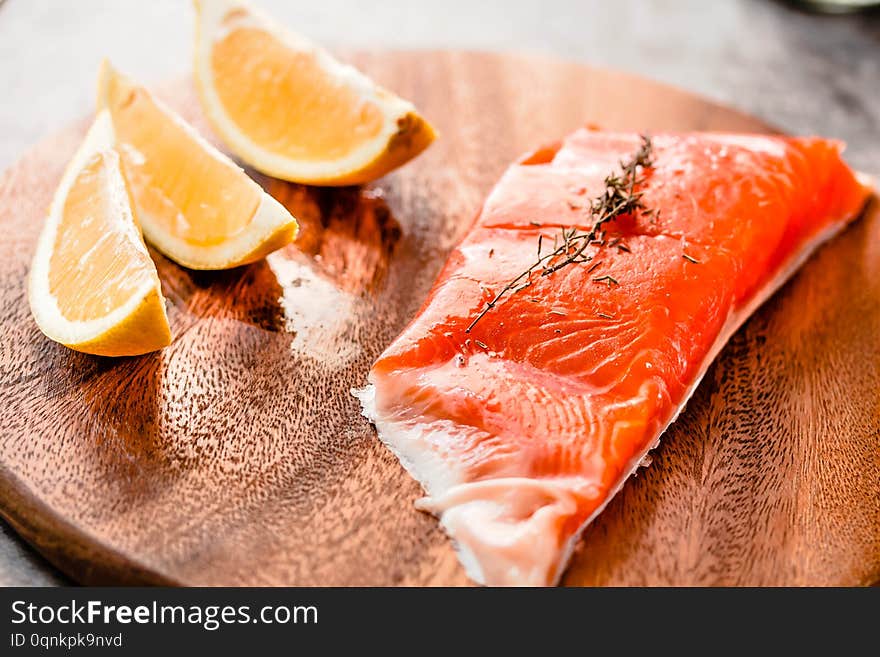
(522, 429)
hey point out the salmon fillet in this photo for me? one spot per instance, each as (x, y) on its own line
(523, 419)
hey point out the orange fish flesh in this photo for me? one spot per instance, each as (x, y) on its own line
(522, 428)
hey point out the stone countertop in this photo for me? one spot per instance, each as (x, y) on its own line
(804, 73)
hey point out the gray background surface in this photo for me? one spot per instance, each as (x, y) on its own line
(803, 73)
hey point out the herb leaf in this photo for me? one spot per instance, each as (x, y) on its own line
(619, 198)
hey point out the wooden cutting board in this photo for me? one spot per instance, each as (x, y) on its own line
(237, 455)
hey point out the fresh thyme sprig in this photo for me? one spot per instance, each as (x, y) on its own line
(619, 198)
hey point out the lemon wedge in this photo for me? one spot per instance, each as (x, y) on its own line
(291, 110)
(195, 205)
(92, 285)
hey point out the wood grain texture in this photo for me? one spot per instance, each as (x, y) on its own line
(237, 455)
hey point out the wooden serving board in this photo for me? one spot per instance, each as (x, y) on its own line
(237, 455)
